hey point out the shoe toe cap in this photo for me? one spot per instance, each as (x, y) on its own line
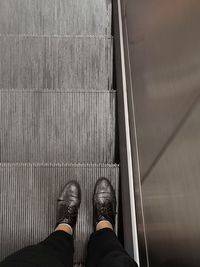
(71, 190)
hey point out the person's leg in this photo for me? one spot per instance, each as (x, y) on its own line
(104, 248)
(57, 250)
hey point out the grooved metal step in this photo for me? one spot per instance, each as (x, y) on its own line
(57, 126)
(55, 17)
(74, 62)
(28, 194)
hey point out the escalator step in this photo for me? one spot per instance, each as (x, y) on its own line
(28, 194)
(73, 62)
(55, 17)
(57, 126)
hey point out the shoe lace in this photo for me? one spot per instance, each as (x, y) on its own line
(69, 211)
(105, 209)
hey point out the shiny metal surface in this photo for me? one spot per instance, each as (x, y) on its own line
(164, 45)
(128, 143)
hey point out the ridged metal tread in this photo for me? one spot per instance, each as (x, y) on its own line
(78, 62)
(28, 194)
(59, 17)
(57, 126)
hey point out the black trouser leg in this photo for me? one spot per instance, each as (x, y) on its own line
(105, 250)
(55, 251)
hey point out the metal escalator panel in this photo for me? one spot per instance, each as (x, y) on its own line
(163, 43)
(60, 17)
(57, 126)
(70, 62)
(57, 114)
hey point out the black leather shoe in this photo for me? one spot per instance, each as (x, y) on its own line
(104, 202)
(68, 204)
